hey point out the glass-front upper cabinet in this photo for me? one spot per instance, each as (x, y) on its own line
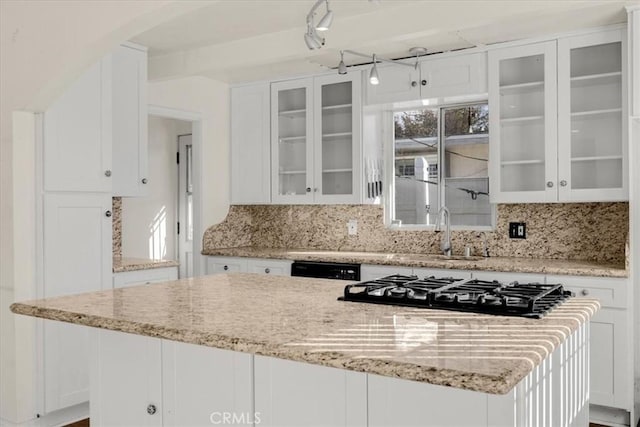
(523, 123)
(592, 110)
(292, 141)
(315, 140)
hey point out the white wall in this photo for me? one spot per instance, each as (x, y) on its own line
(149, 223)
(211, 99)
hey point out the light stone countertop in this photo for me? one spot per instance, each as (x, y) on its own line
(301, 319)
(122, 264)
(514, 265)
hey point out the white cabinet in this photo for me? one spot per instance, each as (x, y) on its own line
(316, 140)
(77, 134)
(250, 147)
(433, 78)
(523, 123)
(144, 277)
(129, 172)
(223, 264)
(372, 272)
(592, 111)
(77, 258)
(291, 393)
(273, 267)
(558, 133)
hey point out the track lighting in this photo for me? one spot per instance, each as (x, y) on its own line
(326, 20)
(342, 68)
(374, 79)
(311, 37)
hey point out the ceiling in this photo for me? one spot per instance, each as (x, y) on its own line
(242, 40)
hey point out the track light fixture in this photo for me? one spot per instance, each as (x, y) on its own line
(374, 77)
(311, 37)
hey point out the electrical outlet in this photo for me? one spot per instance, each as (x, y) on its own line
(352, 227)
(517, 230)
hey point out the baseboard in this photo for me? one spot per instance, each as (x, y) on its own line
(606, 416)
(58, 418)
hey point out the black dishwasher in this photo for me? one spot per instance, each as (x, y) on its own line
(326, 270)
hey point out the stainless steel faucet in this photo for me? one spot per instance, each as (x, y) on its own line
(445, 241)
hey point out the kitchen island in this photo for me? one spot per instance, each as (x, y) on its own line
(250, 349)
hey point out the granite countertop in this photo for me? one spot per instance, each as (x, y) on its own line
(121, 264)
(271, 316)
(515, 265)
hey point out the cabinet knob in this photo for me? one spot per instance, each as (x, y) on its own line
(424, 83)
(563, 183)
(144, 180)
(308, 189)
(151, 409)
(414, 83)
(107, 173)
(550, 184)
(107, 214)
(267, 270)
(315, 190)
(585, 292)
(225, 268)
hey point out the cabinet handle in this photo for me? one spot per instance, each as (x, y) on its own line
(550, 184)
(225, 268)
(414, 83)
(151, 409)
(424, 83)
(585, 292)
(267, 270)
(144, 180)
(308, 189)
(107, 214)
(107, 173)
(563, 183)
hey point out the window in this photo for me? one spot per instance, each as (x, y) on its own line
(441, 158)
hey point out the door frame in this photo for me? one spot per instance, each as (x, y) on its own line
(196, 139)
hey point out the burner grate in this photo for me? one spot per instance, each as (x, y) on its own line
(532, 300)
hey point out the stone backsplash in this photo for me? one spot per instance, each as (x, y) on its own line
(116, 225)
(580, 231)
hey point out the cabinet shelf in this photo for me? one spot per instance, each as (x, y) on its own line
(602, 76)
(293, 139)
(595, 158)
(521, 162)
(521, 86)
(337, 107)
(596, 112)
(521, 119)
(290, 113)
(337, 170)
(336, 135)
(300, 172)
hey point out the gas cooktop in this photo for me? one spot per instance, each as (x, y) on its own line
(532, 300)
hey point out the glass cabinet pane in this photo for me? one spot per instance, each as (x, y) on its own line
(337, 138)
(292, 141)
(596, 116)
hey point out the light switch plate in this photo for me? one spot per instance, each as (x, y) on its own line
(517, 230)
(352, 227)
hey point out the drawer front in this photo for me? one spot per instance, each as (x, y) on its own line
(272, 267)
(216, 265)
(371, 272)
(611, 292)
(506, 277)
(142, 277)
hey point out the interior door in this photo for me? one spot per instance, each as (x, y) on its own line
(185, 205)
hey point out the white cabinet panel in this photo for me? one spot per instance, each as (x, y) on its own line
(508, 277)
(226, 265)
(203, 385)
(439, 272)
(125, 389)
(397, 83)
(129, 122)
(77, 134)
(299, 394)
(455, 76)
(371, 272)
(77, 258)
(250, 148)
(269, 266)
(144, 277)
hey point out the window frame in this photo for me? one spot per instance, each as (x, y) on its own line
(388, 130)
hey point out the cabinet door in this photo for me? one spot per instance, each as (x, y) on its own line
(292, 141)
(204, 386)
(455, 76)
(77, 258)
(250, 149)
(299, 394)
(269, 266)
(129, 122)
(337, 139)
(226, 265)
(592, 147)
(77, 134)
(125, 390)
(523, 124)
(397, 83)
